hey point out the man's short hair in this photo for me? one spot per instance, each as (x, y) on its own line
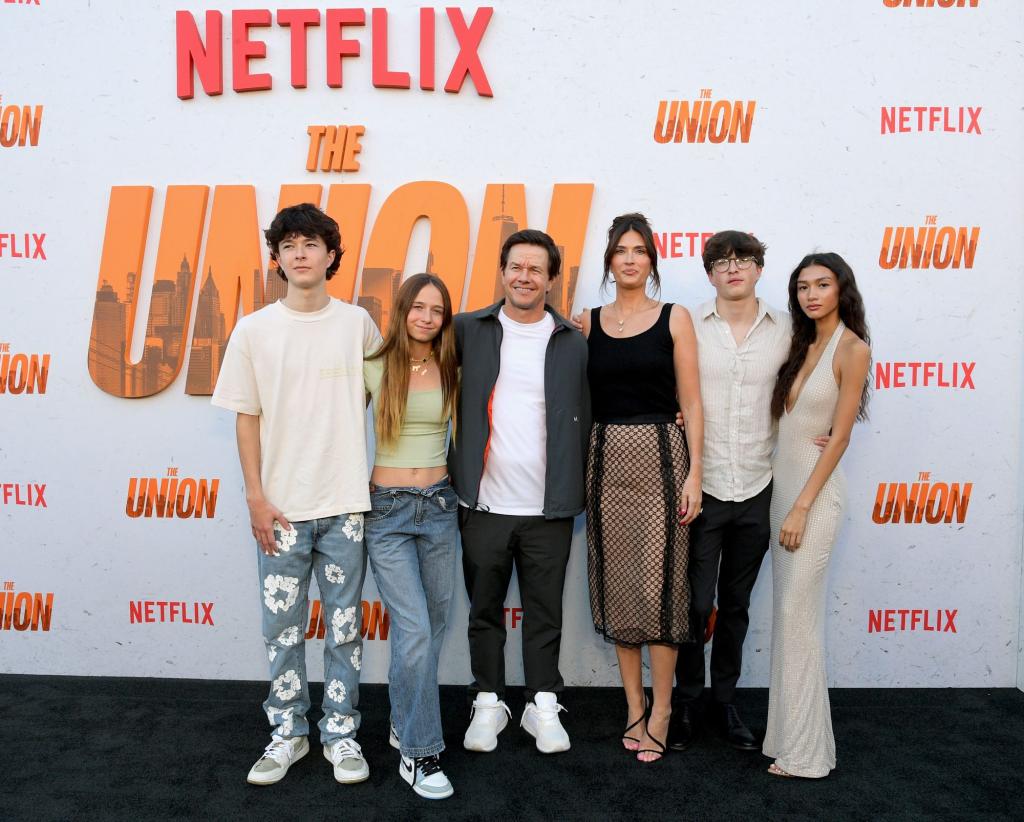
(530, 236)
(305, 220)
(740, 243)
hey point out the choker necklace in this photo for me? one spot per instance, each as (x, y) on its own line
(417, 365)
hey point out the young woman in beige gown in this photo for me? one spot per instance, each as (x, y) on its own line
(822, 389)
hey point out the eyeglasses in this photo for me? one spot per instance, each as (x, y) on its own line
(742, 263)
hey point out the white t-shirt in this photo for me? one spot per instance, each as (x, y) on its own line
(302, 375)
(516, 462)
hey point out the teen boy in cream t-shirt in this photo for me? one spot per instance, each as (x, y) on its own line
(293, 373)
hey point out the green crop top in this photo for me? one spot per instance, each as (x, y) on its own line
(424, 428)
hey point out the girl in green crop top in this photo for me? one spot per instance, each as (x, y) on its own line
(412, 527)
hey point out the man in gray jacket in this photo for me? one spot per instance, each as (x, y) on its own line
(517, 464)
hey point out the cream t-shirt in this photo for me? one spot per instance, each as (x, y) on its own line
(302, 375)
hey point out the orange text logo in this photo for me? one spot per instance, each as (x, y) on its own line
(19, 125)
(957, 374)
(912, 619)
(20, 245)
(24, 611)
(704, 120)
(674, 244)
(206, 59)
(929, 245)
(170, 496)
(942, 4)
(232, 271)
(922, 501)
(22, 373)
(32, 494)
(376, 621)
(185, 613)
(905, 119)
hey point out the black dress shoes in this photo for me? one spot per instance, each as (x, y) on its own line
(735, 732)
(680, 727)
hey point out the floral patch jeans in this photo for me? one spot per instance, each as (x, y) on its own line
(332, 547)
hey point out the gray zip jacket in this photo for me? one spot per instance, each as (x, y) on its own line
(478, 337)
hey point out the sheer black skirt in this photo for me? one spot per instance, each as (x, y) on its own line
(638, 553)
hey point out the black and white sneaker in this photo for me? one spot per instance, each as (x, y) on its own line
(426, 777)
(393, 737)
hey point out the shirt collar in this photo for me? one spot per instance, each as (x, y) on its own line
(711, 307)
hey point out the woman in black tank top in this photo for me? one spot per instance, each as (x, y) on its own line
(643, 477)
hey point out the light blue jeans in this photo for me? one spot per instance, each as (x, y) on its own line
(332, 547)
(410, 540)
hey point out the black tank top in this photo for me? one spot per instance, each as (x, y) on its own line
(632, 379)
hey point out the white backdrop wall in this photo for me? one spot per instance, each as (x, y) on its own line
(576, 92)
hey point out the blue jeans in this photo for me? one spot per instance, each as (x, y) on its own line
(410, 540)
(333, 548)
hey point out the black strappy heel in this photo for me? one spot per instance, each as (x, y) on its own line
(643, 716)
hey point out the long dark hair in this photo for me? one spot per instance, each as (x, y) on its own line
(851, 312)
(620, 225)
(394, 387)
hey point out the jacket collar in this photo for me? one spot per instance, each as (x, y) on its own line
(560, 321)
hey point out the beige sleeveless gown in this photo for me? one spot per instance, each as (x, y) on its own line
(799, 734)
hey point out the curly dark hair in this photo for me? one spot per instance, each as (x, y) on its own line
(851, 312)
(740, 243)
(304, 220)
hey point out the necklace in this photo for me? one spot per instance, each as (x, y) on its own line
(418, 366)
(625, 317)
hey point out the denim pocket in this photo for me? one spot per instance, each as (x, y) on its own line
(380, 506)
(447, 500)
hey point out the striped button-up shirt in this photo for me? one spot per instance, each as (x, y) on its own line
(736, 384)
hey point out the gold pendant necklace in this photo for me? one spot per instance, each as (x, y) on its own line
(417, 366)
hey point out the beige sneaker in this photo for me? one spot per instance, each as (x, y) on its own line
(347, 758)
(277, 759)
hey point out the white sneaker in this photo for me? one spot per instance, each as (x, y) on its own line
(393, 737)
(540, 720)
(277, 759)
(426, 777)
(489, 718)
(347, 758)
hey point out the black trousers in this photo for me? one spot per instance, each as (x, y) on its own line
(728, 542)
(539, 549)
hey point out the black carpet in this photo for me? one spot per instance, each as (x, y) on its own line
(91, 748)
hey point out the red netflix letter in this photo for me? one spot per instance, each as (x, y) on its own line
(382, 76)
(243, 49)
(468, 61)
(192, 54)
(337, 46)
(298, 20)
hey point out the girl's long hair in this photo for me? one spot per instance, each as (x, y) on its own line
(394, 387)
(851, 312)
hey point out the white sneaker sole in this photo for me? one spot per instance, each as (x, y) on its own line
(481, 748)
(408, 779)
(348, 779)
(258, 779)
(548, 749)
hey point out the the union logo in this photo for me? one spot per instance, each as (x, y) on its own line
(19, 125)
(232, 270)
(704, 120)
(929, 245)
(376, 621)
(898, 503)
(25, 611)
(22, 373)
(172, 497)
